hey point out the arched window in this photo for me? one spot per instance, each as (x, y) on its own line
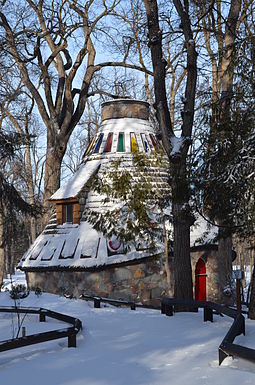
(200, 280)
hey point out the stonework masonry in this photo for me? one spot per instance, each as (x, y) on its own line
(141, 282)
(125, 109)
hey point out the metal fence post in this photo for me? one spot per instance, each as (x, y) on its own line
(72, 341)
(208, 314)
(97, 303)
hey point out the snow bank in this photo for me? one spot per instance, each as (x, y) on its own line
(125, 347)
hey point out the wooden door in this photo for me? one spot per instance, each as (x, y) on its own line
(200, 280)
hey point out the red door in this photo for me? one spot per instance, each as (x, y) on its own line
(200, 281)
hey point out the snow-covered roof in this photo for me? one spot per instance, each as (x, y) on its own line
(91, 162)
(76, 247)
(75, 184)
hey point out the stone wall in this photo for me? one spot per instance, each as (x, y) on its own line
(125, 108)
(212, 282)
(141, 282)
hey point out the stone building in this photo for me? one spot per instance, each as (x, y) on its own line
(70, 256)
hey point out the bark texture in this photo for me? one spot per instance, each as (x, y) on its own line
(2, 258)
(182, 217)
(64, 78)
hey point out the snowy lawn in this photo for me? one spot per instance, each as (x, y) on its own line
(123, 347)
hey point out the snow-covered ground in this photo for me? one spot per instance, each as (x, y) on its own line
(118, 346)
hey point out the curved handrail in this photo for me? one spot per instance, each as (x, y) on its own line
(69, 332)
(226, 348)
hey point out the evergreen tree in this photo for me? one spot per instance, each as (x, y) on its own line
(136, 203)
(12, 208)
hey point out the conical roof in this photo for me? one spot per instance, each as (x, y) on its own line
(125, 129)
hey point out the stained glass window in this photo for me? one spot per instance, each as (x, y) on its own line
(121, 146)
(134, 146)
(154, 142)
(145, 143)
(90, 146)
(99, 142)
(108, 144)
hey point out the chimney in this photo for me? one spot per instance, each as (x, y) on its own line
(125, 108)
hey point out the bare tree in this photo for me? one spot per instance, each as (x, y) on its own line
(56, 56)
(176, 148)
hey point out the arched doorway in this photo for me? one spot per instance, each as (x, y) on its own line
(200, 280)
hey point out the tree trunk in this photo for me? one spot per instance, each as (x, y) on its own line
(224, 260)
(31, 190)
(167, 267)
(52, 180)
(252, 296)
(2, 256)
(180, 186)
(182, 265)
(182, 218)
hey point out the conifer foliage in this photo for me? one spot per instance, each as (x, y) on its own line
(135, 198)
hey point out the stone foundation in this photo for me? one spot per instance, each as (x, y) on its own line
(142, 282)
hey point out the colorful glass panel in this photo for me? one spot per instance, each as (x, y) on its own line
(121, 146)
(145, 143)
(134, 146)
(90, 146)
(99, 142)
(108, 144)
(154, 142)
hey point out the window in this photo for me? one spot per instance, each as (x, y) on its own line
(121, 145)
(154, 142)
(68, 213)
(145, 143)
(108, 145)
(90, 146)
(134, 146)
(98, 145)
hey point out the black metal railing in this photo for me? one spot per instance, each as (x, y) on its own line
(69, 332)
(116, 302)
(227, 347)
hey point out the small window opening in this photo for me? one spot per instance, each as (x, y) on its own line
(90, 147)
(98, 145)
(134, 146)
(154, 141)
(108, 145)
(121, 145)
(145, 143)
(68, 213)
